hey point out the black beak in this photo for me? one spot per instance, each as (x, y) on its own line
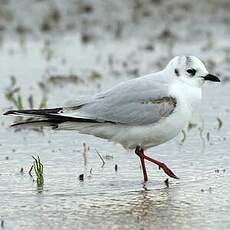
(210, 77)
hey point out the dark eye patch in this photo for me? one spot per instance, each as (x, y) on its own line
(191, 71)
(177, 72)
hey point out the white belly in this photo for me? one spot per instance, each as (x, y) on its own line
(154, 134)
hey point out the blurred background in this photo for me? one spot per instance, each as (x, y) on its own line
(90, 41)
(52, 52)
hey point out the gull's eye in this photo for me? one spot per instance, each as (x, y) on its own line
(191, 71)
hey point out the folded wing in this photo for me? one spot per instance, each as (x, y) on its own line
(140, 101)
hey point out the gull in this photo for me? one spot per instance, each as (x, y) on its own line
(138, 114)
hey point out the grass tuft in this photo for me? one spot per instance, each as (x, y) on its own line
(38, 169)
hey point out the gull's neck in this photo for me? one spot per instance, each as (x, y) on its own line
(185, 92)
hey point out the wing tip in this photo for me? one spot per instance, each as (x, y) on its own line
(34, 111)
(40, 123)
(10, 112)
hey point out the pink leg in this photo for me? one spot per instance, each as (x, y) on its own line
(140, 153)
(143, 157)
(167, 170)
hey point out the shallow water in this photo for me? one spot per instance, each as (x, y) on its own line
(108, 198)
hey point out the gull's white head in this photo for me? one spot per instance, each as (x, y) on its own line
(190, 70)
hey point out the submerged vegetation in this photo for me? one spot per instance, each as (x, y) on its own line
(2, 223)
(14, 96)
(103, 161)
(220, 123)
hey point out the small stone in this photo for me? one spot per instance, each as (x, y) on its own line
(116, 167)
(86, 38)
(87, 9)
(45, 26)
(167, 183)
(81, 177)
(149, 47)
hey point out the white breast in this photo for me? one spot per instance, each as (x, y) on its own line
(185, 94)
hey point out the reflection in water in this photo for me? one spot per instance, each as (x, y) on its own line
(155, 208)
(145, 209)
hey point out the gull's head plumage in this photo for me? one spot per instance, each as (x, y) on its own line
(190, 70)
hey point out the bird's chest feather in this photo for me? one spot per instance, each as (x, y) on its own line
(187, 96)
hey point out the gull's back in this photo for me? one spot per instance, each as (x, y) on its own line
(134, 102)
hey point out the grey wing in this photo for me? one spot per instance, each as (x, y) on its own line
(135, 102)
